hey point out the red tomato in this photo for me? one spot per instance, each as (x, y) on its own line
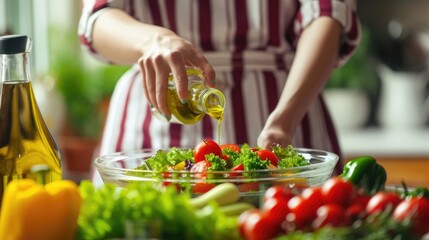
(265, 154)
(294, 222)
(207, 146)
(361, 200)
(277, 208)
(330, 214)
(230, 146)
(278, 191)
(199, 169)
(338, 190)
(242, 219)
(201, 187)
(355, 212)
(304, 206)
(381, 201)
(417, 210)
(260, 226)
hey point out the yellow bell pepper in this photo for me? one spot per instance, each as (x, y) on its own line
(32, 211)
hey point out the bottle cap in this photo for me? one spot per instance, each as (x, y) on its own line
(13, 44)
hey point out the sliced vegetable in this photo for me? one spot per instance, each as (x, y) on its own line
(222, 194)
(235, 209)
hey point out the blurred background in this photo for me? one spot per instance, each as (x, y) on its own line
(379, 99)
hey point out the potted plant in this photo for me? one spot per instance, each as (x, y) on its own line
(352, 87)
(85, 88)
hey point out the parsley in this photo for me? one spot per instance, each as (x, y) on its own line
(217, 163)
(250, 160)
(289, 157)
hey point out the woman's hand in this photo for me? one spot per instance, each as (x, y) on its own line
(158, 51)
(168, 53)
(275, 132)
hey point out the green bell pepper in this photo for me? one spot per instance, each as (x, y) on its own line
(365, 173)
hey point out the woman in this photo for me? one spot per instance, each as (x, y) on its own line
(271, 59)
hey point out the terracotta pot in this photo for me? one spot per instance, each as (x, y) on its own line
(77, 153)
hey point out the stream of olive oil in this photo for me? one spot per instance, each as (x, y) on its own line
(24, 138)
(216, 112)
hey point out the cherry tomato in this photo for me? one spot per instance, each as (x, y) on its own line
(294, 222)
(242, 219)
(304, 206)
(330, 214)
(278, 191)
(207, 146)
(199, 169)
(338, 190)
(381, 201)
(265, 154)
(354, 212)
(260, 226)
(361, 200)
(417, 210)
(277, 208)
(201, 187)
(230, 146)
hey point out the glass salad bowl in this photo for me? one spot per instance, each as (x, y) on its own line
(120, 169)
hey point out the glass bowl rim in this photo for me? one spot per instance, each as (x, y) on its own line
(100, 161)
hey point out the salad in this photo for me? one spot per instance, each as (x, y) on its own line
(210, 163)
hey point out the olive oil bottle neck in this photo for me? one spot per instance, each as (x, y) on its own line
(15, 68)
(212, 102)
(14, 59)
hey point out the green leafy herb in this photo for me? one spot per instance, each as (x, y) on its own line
(231, 154)
(165, 214)
(176, 155)
(250, 160)
(289, 157)
(163, 159)
(217, 163)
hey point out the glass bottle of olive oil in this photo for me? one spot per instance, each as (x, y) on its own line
(25, 140)
(202, 100)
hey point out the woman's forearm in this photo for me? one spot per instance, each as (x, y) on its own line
(122, 39)
(316, 55)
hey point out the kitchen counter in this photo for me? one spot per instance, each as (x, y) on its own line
(403, 153)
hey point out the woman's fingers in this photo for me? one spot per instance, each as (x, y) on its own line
(162, 72)
(171, 54)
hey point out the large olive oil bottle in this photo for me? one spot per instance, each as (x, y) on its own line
(202, 100)
(25, 140)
